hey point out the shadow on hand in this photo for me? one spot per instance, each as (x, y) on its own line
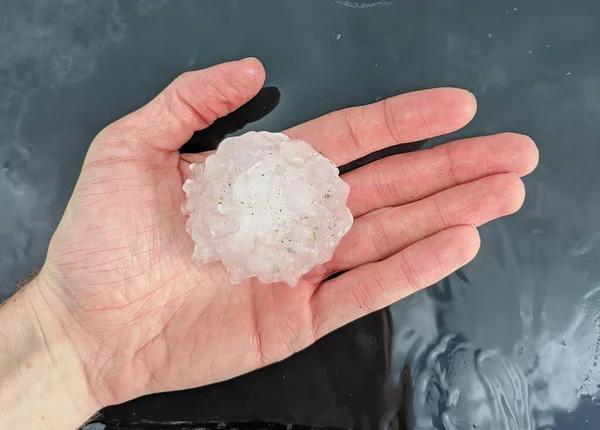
(382, 153)
(260, 106)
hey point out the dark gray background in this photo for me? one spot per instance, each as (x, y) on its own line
(513, 342)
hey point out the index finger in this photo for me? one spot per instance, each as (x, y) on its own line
(349, 134)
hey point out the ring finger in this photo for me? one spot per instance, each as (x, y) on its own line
(385, 232)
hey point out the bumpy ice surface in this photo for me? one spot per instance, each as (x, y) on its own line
(266, 206)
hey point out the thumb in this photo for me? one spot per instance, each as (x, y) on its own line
(193, 101)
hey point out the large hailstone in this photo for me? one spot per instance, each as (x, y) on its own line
(266, 206)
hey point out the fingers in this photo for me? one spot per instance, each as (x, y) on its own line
(346, 135)
(406, 178)
(192, 102)
(376, 285)
(382, 233)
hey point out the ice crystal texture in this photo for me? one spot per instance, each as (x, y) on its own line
(266, 206)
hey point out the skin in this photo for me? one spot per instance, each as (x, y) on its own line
(119, 310)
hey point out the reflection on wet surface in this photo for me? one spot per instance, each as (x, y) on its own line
(466, 379)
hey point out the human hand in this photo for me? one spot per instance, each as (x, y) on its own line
(142, 317)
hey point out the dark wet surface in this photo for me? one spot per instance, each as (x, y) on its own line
(511, 342)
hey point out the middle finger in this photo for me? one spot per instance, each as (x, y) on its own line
(406, 178)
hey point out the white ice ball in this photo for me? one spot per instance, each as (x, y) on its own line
(266, 206)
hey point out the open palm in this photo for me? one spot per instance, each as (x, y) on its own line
(144, 318)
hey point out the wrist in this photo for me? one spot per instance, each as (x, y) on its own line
(42, 380)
